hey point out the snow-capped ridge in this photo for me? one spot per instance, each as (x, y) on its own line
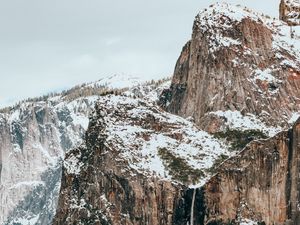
(233, 12)
(39, 131)
(119, 81)
(224, 16)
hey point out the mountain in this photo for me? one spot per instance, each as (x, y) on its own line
(216, 148)
(217, 144)
(133, 164)
(34, 136)
(236, 60)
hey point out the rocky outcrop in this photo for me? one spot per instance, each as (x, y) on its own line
(34, 136)
(103, 192)
(236, 60)
(33, 139)
(239, 61)
(138, 163)
(289, 12)
(102, 183)
(135, 167)
(261, 183)
(38, 207)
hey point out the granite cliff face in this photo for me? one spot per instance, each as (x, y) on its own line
(104, 184)
(135, 166)
(238, 79)
(236, 60)
(104, 191)
(34, 136)
(261, 183)
(235, 85)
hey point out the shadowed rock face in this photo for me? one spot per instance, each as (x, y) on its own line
(30, 142)
(105, 191)
(225, 67)
(261, 183)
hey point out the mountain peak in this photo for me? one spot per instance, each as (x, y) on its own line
(119, 81)
(231, 11)
(236, 60)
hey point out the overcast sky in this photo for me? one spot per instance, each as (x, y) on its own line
(50, 45)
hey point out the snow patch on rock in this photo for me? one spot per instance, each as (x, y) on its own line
(235, 120)
(73, 164)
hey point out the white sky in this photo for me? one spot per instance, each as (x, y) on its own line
(50, 45)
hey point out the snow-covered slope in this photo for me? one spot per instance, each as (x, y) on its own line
(133, 147)
(35, 135)
(119, 81)
(143, 134)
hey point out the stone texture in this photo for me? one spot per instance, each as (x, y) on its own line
(33, 138)
(211, 76)
(289, 11)
(261, 183)
(105, 192)
(215, 71)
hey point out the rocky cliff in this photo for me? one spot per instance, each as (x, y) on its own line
(235, 85)
(261, 183)
(236, 60)
(107, 181)
(34, 136)
(135, 166)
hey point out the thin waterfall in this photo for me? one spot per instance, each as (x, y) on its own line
(192, 207)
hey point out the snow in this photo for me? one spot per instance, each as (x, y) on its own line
(27, 221)
(293, 8)
(16, 148)
(65, 122)
(264, 75)
(217, 10)
(295, 116)
(227, 41)
(27, 183)
(119, 81)
(292, 3)
(80, 120)
(45, 152)
(288, 63)
(220, 17)
(15, 116)
(73, 165)
(247, 222)
(235, 120)
(127, 118)
(131, 132)
(282, 40)
(149, 153)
